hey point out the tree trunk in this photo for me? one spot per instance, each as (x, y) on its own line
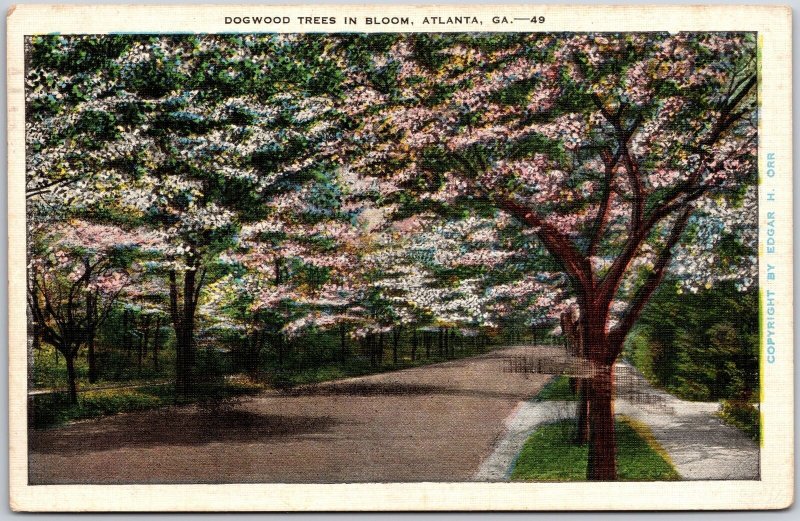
(582, 435)
(373, 359)
(143, 341)
(342, 343)
(380, 349)
(71, 378)
(414, 345)
(572, 332)
(92, 359)
(156, 342)
(183, 322)
(395, 342)
(37, 337)
(602, 464)
(146, 332)
(252, 352)
(126, 336)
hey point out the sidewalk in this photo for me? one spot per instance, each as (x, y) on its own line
(700, 445)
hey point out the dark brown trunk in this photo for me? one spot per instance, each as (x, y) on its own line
(342, 343)
(183, 321)
(146, 332)
(395, 342)
(380, 349)
(156, 342)
(139, 350)
(414, 345)
(602, 465)
(37, 337)
(252, 351)
(92, 359)
(71, 379)
(91, 322)
(126, 336)
(582, 434)
(599, 388)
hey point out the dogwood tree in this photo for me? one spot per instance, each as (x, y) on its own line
(608, 147)
(77, 271)
(190, 136)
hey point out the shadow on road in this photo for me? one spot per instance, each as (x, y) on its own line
(175, 427)
(393, 389)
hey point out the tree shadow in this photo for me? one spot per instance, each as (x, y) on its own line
(174, 426)
(393, 389)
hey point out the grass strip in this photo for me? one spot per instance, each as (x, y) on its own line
(557, 389)
(550, 455)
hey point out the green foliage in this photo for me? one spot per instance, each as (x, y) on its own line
(743, 415)
(549, 455)
(701, 346)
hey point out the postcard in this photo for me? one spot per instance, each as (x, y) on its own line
(392, 258)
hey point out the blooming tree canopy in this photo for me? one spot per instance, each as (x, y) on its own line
(383, 179)
(610, 148)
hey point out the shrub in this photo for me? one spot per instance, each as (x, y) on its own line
(701, 346)
(743, 415)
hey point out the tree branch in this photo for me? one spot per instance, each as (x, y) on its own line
(560, 246)
(645, 291)
(609, 162)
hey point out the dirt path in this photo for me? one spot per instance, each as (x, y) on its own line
(433, 423)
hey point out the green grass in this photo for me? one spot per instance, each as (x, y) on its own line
(557, 389)
(54, 409)
(549, 455)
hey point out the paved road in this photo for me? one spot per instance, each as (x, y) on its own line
(433, 423)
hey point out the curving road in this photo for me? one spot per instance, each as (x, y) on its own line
(432, 423)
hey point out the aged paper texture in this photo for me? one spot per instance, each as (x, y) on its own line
(400, 258)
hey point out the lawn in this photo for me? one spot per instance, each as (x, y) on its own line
(54, 409)
(557, 389)
(549, 455)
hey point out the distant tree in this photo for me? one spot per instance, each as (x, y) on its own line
(76, 275)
